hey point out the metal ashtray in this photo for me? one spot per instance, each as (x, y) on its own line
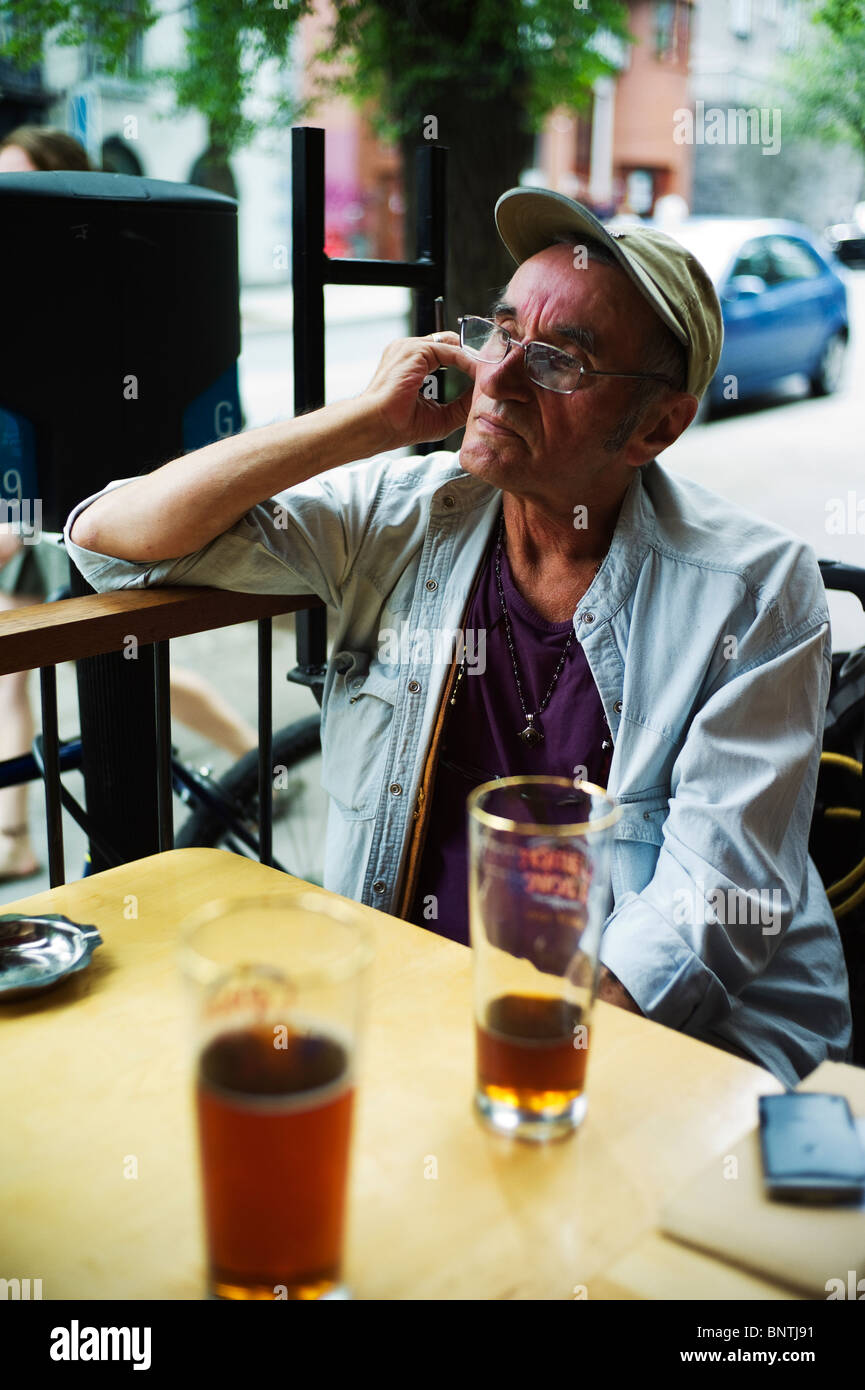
(38, 952)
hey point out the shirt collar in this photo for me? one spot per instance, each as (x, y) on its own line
(462, 492)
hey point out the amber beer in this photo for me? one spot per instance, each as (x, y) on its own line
(539, 890)
(531, 1053)
(274, 1117)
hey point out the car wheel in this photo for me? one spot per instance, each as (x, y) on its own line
(830, 368)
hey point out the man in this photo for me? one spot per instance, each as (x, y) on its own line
(621, 624)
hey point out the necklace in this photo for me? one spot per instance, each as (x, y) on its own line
(532, 734)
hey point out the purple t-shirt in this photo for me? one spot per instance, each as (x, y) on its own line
(481, 740)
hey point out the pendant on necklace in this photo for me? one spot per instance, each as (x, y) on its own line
(530, 734)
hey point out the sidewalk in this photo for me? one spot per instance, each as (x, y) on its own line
(268, 308)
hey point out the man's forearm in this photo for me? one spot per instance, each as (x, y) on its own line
(190, 501)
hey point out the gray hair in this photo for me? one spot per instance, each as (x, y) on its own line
(665, 354)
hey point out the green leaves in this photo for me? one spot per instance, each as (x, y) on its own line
(825, 84)
(405, 55)
(844, 18)
(409, 56)
(226, 42)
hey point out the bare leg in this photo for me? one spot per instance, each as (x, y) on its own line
(197, 705)
(17, 857)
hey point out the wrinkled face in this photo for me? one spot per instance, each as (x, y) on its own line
(532, 441)
(15, 161)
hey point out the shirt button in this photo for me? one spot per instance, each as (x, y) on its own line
(414, 687)
(587, 617)
(432, 585)
(447, 501)
(395, 789)
(618, 707)
(379, 885)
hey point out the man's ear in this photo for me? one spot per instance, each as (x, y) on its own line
(661, 426)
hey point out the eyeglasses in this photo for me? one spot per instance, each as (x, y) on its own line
(546, 366)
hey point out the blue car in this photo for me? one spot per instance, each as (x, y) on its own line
(784, 304)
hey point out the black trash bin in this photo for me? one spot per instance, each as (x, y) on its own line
(120, 339)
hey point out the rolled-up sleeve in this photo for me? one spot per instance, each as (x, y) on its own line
(301, 541)
(736, 837)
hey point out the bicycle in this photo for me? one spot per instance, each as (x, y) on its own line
(224, 810)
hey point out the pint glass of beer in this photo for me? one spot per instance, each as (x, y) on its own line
(275, 985)
(539, 893)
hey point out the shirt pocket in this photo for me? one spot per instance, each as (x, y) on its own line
(355, 733)
(637, 839)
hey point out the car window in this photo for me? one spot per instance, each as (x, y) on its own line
(793, 260)
(755, 259)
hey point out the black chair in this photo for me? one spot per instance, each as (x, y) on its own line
(837, 840)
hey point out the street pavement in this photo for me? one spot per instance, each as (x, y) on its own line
(792, 459)
(787, 461)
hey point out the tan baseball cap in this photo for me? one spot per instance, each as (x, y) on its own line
(666, 274)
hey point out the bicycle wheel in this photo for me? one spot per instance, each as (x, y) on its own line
(300, 804)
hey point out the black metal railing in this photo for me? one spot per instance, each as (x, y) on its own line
(47, 634)
(312, 269)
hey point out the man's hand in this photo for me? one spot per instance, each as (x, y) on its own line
(612, 991)
(407, 414)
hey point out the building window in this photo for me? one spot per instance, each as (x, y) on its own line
(672, 30)
(640, 191)
(770, 11)
(130, 66)
(790, 22)
(584, 143)
(665, 29)
(14, 80)
(740, 18)
(683, 31)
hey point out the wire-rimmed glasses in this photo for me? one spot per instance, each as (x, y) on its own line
(545, 365)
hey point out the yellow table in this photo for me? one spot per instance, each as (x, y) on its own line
(97, 1153)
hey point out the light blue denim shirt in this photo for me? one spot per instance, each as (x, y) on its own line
(707, 633)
